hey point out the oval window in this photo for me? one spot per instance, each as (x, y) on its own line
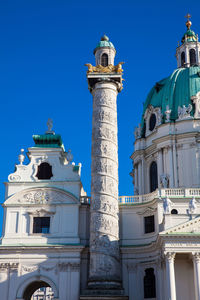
(152, 122)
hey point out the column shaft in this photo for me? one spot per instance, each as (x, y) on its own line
(196, 263)
(170, 276)
(104, 223)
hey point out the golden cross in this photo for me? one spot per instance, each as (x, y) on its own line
(188, 16)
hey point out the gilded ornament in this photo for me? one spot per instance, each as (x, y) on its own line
(108, 69)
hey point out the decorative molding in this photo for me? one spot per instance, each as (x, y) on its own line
(41, 212)
(44, 196)
(149, 211)
(9, 266)
(149, 111)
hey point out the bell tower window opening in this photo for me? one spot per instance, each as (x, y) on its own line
(104, 60)
(44, 171)
(182, 59)
(149, 284)
(41, 224)
(153, 176)
(192, 57)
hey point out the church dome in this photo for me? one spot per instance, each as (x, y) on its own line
(174, 91)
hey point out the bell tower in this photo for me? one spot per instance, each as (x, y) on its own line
(105, 82)
(188, 53)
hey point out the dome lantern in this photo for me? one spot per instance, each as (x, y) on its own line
(104, 52)
(187, 53)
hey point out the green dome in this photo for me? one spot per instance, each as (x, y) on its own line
(175, 90)
(191, 36)
(104, 42)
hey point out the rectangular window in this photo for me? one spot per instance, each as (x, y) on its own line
(149, 225)
(41, 224)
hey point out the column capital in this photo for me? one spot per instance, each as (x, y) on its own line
(196, 257)
(170, 256)
(132, 267)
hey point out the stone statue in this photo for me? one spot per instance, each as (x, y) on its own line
(192, 205)
(50, 124)
(167, 205)
(184, 112)
(164, 179)
(138, 132)
(196, 101)
(167, 114)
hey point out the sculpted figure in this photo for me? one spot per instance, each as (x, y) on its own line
(196, 101)
(167, 205)
(167, 114)
(192, 205)
(138, 132)
(184, 112)
(164, 179)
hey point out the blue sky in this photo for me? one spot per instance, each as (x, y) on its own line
(44, 45)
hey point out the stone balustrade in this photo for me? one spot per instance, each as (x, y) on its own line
(159, 193)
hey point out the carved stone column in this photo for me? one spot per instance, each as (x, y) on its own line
(196, 263)
(170, 276)
(104, 228)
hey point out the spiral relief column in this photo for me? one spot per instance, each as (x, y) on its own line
(104, 83)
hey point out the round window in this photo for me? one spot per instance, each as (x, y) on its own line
(152, 122)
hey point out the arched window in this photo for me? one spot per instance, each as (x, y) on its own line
(38, 290)
(192, 57)
(153, 176)
(182, 59)
(149, 284)
(44, 171)
(174, 212)
(152, 122)
(104, 60)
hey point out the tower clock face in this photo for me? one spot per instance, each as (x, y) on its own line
(152, 122)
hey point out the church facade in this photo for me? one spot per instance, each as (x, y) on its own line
(59, 243)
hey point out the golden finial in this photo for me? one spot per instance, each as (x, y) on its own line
(188, 23)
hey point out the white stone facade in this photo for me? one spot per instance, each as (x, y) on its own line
(55, 236)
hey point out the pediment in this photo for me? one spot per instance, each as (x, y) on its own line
(43, 196)
(192, 226)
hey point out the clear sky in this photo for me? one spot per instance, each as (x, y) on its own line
(44, 45)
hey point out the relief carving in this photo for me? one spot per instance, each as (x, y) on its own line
(101, 115)
(104, 133)
(104, 148)
(103, 184)
(105, 97)
(104, 165)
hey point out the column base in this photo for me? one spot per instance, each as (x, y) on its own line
(101, 297)
(112, 294)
